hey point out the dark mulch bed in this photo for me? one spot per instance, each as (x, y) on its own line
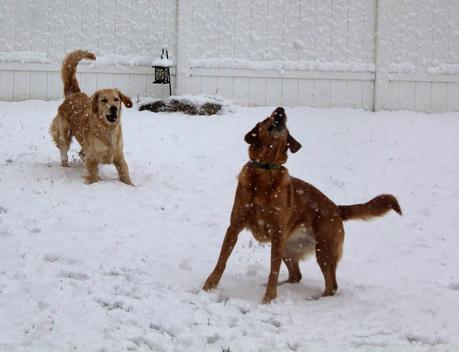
(174, 105)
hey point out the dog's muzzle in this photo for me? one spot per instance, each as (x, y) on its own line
(279, 118)
(113, 114)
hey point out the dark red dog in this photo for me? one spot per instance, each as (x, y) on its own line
(293, 215)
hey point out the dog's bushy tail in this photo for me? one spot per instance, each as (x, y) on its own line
(378, 206)
(68, 70)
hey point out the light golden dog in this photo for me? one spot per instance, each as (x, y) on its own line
(94, 121)
(291, 214)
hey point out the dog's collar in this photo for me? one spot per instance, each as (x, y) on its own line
(265, 166)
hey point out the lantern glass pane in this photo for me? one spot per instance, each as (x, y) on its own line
(162, 75)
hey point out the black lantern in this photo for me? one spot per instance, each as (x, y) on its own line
(162, 70)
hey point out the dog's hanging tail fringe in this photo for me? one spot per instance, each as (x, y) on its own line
(378, 206)
(69, 67)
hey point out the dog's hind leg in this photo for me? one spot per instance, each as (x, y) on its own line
(294, 273)
(300, 244)
(62, 136)
(64, 157)
(328, 253)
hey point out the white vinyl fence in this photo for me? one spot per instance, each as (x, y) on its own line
(370, 54)
(124, 35)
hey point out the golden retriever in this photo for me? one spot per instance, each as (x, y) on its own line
(94, 121)
(293, 215)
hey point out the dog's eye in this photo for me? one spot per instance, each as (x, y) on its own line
(116, 99)
(104, 100)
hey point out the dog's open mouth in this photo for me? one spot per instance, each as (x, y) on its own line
(279, 119)
(112, 117)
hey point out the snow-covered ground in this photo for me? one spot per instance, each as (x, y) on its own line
(109, 267)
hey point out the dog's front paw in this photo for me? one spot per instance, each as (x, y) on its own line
(210, 284)
(328, 293)
(92, 179)
(269, 297)
(127, 181)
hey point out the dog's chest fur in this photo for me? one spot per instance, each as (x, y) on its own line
(105, 146)
(268, 201)
(100, 147)
(271, 201)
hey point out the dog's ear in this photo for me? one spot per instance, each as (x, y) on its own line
(293, 144)
(94, 101)
(252, 137)
(125, 99)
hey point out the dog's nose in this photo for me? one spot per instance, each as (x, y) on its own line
(279, 111)
(113, 110)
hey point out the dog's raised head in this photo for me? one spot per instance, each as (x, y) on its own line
(270, 139)
(106, 105)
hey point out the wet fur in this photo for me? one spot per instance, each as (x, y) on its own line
(86, 119)
(293, 215)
